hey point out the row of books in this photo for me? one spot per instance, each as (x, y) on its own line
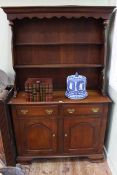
(38, 90)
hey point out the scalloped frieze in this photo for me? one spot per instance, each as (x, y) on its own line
(49, 12)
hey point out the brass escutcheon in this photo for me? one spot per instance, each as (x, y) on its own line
(95, 109)
(71, 111)
(24, 111)
(49, 111)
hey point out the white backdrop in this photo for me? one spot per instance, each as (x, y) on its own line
(56, 2)
(6, 61)
(113, 67)
(5, 47)
(112, 129)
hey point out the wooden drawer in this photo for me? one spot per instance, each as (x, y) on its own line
(84, 109)
(49, 110)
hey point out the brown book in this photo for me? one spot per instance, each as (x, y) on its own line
(49, 97)
(37, 88)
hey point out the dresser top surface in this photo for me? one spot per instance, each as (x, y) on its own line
(59, 98)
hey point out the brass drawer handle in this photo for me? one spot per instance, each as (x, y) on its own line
(49, 111)
(70, 111)
(24, 111)
(95, 110)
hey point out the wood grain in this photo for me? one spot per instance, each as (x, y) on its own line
(6, 130)
(94, 96)
(71, 39)
(65, 167)
(69, 167)
(60, 11)
(2, 156)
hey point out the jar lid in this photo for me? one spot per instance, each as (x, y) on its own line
(76, 76)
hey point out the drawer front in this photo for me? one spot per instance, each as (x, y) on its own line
(49, 110)
(84, 109)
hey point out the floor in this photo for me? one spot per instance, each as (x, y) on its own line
(66, 167)
(1, 165)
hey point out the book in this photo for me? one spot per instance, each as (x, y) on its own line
(38, 89)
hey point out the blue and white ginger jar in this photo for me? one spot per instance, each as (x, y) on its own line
(76, 87)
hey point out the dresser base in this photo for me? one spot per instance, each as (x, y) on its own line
(94, 158)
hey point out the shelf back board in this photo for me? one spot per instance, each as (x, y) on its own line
(59, 76)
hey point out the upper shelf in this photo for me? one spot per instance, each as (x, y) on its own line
(60, 66)
(59, 43)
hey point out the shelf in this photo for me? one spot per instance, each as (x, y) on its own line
(57, 43)
(94, 96)
(61, 66)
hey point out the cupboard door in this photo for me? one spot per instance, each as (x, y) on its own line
(37, 136)
(81, 135)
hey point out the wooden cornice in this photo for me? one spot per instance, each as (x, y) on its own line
(58, 11)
